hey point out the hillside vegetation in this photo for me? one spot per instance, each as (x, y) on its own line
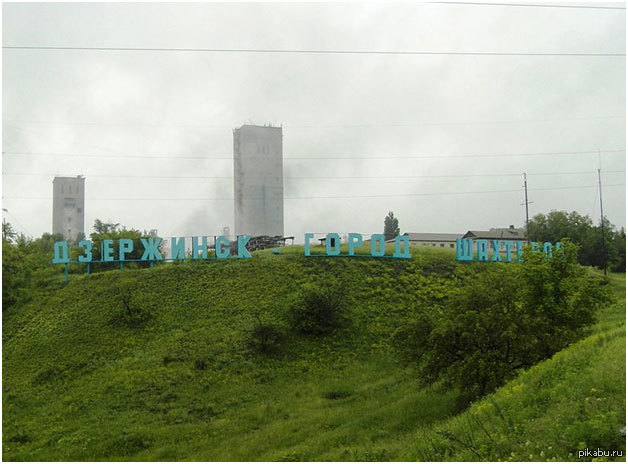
(199, 361)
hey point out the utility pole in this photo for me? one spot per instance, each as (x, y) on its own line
(526, 202)
(599, 181)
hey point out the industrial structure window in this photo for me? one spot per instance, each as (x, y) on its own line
(442, 245)
(80, 210)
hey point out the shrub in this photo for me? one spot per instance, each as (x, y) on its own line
(316, 311)
(264, 337)
(336, 394)
(200, 364)
(506, 318)
(46, 375)
(131, 314)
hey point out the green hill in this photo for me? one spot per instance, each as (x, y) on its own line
(173, 374)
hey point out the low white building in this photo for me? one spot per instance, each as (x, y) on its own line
(435, 240)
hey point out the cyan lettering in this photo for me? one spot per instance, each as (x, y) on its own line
(202, 247)
(382, 245)
(61, 255)
(508, 244)
(177, 248)
(482, 245)
(243, 240)
(151, 249)
(87, 255)
(107, 250)
(125, 245)
(399, 239)
(519, 250)
(308, 236)
(496, 254)
(464, 249)
(222, 253)
(332, 250)
(547, 248)
(355, 241)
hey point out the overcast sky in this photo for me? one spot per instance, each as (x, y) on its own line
(167, 117)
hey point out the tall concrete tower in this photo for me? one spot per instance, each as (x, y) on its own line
(258, 180)
(68, 207)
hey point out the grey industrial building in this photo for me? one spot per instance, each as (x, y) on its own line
(511, 234)
(68, 207)
(258, 180)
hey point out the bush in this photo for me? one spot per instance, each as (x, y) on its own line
(316, 311)
(200, 364)
(264, 337)
(131, 314)
(507, 318)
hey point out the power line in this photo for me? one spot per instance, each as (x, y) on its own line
(145, 156)
(430, 176)
(122, 176)
(330, 197)
(17, 222)
(312, 126)
(310, 52)
(533, 5)
(313, 157)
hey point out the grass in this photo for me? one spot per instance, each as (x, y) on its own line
(82, 381)
(573, 401)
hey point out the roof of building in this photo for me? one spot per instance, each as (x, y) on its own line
(258, 126)
(68, 177)
(430, 237)
(507, 233)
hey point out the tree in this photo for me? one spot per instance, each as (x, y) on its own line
(595, 249)
(14, 273)
(620, 245)
(115, 231)
(102, 228)
(391, 226)
(503, 319)
(8, 233)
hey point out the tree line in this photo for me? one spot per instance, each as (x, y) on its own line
(26, 262)
(599, 246)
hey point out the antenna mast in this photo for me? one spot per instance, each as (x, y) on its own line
(526, 202)
(599, 180)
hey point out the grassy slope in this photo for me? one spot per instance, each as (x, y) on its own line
(573, 401)
(78, 385)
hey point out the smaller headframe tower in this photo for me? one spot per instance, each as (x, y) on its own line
(68, 207)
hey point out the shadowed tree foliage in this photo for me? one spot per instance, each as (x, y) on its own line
(115, 231)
